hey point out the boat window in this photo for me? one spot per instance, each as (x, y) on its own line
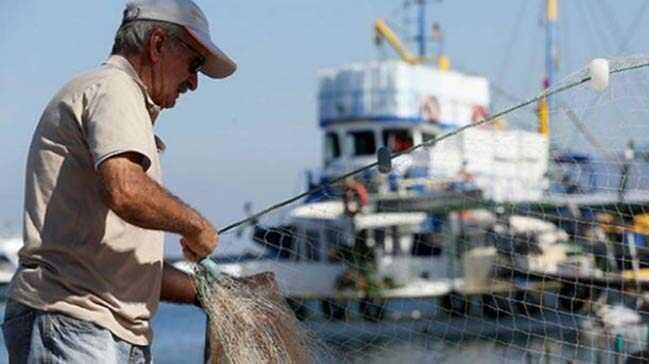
(332, 146)
(364, 143)
(396, 239)
(389, 240)
(312, 248)
(335, 242)
(279, 240)
(361, 250)
(379, 238)
(427, 136)
(426, 244)
(397, 140)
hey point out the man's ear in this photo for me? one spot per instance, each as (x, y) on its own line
(156, 44)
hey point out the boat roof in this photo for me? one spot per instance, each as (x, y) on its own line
(327, 210)
(383, 219)
(334, 210)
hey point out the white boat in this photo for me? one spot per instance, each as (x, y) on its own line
(409, 225)
(532, 246)
(612, 331)
(9, 248)
(421, 230)
(309, 260)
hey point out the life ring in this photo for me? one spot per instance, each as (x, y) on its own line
(479, 113)
(355, 197)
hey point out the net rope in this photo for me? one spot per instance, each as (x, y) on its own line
(470, 276)
(579, 79)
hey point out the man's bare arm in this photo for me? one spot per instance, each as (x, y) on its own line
(177, 286)
(143, 202)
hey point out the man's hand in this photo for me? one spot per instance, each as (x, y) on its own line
(200, 245)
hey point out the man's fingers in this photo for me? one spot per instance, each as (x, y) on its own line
(201, 245)
(187, 252)
(189, 255)
(200, 250)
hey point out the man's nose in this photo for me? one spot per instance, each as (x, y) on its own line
(193, 81)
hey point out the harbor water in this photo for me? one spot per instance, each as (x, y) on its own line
(551, 337)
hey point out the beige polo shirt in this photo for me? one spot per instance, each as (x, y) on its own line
(79, 257)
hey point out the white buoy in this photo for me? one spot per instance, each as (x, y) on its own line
(415, 314)
(599, 72)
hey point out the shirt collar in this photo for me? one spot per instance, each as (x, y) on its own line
(124, 65)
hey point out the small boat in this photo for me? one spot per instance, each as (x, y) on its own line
(9, 248)
(612, 330)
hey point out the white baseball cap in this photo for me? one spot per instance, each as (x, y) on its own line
(188, 15)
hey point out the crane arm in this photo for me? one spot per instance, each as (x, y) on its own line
(383, 31)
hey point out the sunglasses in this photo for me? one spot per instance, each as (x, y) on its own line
(198, 61)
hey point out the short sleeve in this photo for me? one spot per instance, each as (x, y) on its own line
(116, 121)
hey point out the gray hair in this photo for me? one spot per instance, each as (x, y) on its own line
(132, 36)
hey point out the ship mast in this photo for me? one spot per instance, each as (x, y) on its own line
(421, 36)
(383, 32)
(436, 36)
(550, 46)
(547, 104)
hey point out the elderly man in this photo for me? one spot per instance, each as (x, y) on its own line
(91, 272)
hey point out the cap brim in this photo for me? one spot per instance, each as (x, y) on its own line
(217, 63)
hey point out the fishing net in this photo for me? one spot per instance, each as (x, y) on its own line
(486, 242)
(249, 321)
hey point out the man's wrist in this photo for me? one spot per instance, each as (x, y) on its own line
(196, 226)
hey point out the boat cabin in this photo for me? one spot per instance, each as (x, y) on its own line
(401, 245)
(363, 107)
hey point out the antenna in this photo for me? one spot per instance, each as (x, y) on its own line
(421, 35)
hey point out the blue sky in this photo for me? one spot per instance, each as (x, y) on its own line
(252, 136)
